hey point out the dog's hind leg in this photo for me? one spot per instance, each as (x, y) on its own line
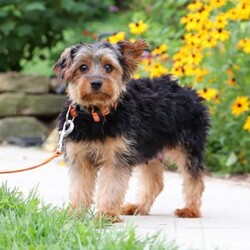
(193, 187)
(151, 178)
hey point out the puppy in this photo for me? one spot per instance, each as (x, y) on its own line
(121, 123)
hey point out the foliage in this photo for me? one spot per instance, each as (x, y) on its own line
(209, 49)
(28, 26)
(27, 224)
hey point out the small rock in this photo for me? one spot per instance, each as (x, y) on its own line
(19, 104)
(21, 127)
(23, 83)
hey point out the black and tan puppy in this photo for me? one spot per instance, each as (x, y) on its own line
(120, 123)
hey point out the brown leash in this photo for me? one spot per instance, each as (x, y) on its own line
(55, 155)
(68, 127)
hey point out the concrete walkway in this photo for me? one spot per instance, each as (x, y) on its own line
(226, 205)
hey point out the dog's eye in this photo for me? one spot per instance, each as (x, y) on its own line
(84, 68)
(108, 68)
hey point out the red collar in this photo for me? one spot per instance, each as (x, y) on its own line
(97, 116)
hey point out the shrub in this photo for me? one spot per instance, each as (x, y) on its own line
(208, 50)
(30, 25)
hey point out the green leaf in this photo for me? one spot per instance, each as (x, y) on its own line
(24, 30)
(231, 159)
(35, 6)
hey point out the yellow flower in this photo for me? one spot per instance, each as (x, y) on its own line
(243, 9)
(157, 70)
(240, 105)
(192, 39)
(116, 37)
(163, 56)
(138, 28)
(221, 35)
(194, 58)
(220, 21)
(178, 70)
(233, 14)
(136, 76)
(210, 42)
(230, 71)
(217, 3)
(199, 74)
(231, 81)
(196, 5)
(159, 50)
(208, 93)
(196, 22)
(247, 124)
(244, 44)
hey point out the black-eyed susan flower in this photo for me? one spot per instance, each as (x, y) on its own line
(240, 105)
(116, 37)
(247, 124)
(178, 70)
(157, 70)
(233, 14)
(231, 81)
(243, 9)
(196, 5)
(138, 27)
(221, 34)
(244, 44)
(209, 42)
(220, 21)
(217, 3)
(159, 50)
(208, 93)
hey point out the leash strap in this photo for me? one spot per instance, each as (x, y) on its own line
(55, 155)
(68, 127)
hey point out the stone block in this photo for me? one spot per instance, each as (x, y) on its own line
(21, 127)
(19, 104)
(23, 83)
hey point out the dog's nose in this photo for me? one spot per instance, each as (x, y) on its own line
(96, 84)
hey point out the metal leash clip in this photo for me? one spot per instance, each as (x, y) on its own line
(68, 127)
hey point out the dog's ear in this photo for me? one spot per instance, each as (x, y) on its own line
(62, 68)
(131, 53)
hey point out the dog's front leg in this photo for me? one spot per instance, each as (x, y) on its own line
(112, 186)
(82, 174)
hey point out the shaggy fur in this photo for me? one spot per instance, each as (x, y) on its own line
(147, 120)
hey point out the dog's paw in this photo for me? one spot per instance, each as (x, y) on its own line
(109, 216)
(133, 209)
(188, 213)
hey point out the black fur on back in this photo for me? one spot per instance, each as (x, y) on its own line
(153, 114)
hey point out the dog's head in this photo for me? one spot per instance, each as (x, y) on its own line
(97, 73)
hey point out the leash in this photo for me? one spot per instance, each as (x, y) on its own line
(68, 127)
(55, 155)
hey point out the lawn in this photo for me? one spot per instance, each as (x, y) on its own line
(26, 223)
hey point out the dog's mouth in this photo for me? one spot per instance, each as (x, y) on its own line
(98, 99)
(96, 96)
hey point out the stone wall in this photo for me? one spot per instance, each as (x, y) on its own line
(28, 105)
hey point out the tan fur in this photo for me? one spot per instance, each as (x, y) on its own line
(152, 184)
(151, 178)
(113, 183)
(112, 85)
(193, 186)
(85, 159)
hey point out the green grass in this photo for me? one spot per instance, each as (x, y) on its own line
(25, 223)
